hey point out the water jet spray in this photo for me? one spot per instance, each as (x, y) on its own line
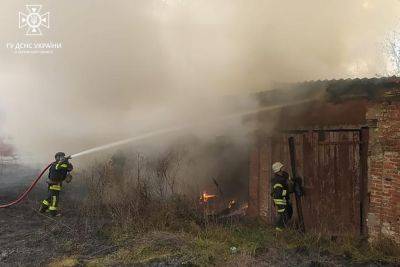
(150, 135)
(181, 128)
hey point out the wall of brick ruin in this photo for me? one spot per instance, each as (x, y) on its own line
(383, 217)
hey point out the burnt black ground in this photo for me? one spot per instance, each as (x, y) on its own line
(29, 238)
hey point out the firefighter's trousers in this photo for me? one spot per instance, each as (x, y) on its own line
(53, 197)
(284, 215)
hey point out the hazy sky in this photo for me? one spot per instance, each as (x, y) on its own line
(125, 66)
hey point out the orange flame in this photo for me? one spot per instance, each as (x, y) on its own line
(205, 197)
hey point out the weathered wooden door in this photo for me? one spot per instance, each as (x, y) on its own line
(330, 164)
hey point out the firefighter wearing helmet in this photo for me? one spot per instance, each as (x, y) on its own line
(280, 193)
(59, 172)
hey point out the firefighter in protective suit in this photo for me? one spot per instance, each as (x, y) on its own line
(59, 172)
(281, 188)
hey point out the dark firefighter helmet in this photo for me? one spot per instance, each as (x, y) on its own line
(59, 155)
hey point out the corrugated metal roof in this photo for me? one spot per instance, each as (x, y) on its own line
(333, 90)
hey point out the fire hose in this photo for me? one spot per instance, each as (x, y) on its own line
(26, 192)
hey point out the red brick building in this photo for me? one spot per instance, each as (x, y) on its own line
(347, 137)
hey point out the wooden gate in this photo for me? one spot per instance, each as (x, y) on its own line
(332, 164)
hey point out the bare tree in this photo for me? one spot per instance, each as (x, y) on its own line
(392, 50)
(165, 171)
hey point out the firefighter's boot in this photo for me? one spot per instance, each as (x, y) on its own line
(44, 207)
(54, 213)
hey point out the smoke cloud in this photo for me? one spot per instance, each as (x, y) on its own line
(128, 66)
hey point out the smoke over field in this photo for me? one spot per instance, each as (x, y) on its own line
(129, 66)
(174, 84)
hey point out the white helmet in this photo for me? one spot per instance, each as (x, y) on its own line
(276, 167)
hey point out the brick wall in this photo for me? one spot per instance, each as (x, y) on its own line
(383, 218)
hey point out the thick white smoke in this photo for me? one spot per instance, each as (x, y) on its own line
(127, 66)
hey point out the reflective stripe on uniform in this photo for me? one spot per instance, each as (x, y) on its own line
(279, 201)
(53, 203)
(45, 202)
(61, 165)
(55, 187)
(277, 185)
(284, 192)
(281, 210)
